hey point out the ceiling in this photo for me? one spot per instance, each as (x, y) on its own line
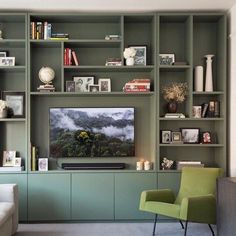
(116, 5)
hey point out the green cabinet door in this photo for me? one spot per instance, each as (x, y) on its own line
(21, 181)
(93, 196)
(128, 188)
(48, 196)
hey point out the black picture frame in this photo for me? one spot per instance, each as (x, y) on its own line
(190, 135)
(15, 102)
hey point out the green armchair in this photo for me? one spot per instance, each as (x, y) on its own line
(195, 201)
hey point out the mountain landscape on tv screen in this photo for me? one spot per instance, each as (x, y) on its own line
(91, 132)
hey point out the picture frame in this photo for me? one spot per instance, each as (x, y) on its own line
(43, 164)
(82, 83)
(104, 84)
(70, 86)
(197, 111)
(3, 54)
(17, 161)
(8, 158)
(190, 135)
(7, 61)
(140, 57)
(176, 137)
(94, 88)
(15, 102)
(206, 137)
(165, 136)
(166, 59)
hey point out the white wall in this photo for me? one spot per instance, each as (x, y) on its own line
(232, 91)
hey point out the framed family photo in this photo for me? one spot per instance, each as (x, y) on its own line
(70, 86)
(166, 136)
(140, 57)
(94, 88)
(16, 102)
(190, 135)
(7, 61)
(82, 83)
(104, 84)
(9, 158)
(166, 59)
(43, 164)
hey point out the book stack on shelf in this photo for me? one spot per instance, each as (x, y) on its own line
(113, 62)
(46, 88)
(112, 37)
(137, 85)
(70, 57)
(11, 168)
(181, 164)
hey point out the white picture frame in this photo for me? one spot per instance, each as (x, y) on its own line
(104, 84)
(43, 164)
(8, 158)
(82, 83)
(166, 136)
(3, 54)
(140, 58)
(7, 61)
(197, 111)
(94, 88)
(17, 161)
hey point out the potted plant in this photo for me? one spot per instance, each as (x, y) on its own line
(129, 54)
(174, 93)
(3, 109)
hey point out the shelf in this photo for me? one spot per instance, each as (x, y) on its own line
(13, 120)
(191, 145)
(13, 68)
(14, 43)
(190, 119)
(92, 43)
(174, 68)
(209, 93)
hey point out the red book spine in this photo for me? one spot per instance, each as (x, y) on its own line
(75, 58)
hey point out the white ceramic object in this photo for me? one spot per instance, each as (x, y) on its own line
(130, 61)
(198, 79)
(209, 78)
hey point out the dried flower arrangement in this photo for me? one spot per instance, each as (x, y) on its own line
(166, 164)
(175, 92)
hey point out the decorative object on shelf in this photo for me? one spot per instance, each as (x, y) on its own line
(198, 78)
(82, 83)
(190, 135)
(166, 164)
(139, 165)
(7, 61)
(1, 35)
(94, 88)
(112, 37)
(176, 137)
(70, 86)
(129, 54)
(15, 102)
(8, 158)
(166, 136)
(104, 84)
(3, 54)
(197, 111)
(140, 58)
(181, 164)
(46, 75)
(147, 165)
(206, 137)
(17, 161)
(43, 164)
(3, 109)
(174, 93)
(209, 78)
(137, 85)
(167, 59)
(174, 115)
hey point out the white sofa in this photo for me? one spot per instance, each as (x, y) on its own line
(8, 209)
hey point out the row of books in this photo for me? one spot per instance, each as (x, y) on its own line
(43, 30)
(137, 85)
(211, 109)
(113, 62)
(70, 57)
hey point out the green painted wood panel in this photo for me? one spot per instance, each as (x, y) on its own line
(48, 197)
(128, 187)
(21, 181)
(93, 196)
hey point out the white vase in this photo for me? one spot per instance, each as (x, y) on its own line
(209, 79)
(130, 61)
(198, 79)
(3, 113)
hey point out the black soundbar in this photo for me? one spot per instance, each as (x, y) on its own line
(92, 166)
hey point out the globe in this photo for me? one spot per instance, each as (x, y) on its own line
(46, 74)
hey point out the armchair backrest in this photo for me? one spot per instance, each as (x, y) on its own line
(197, 182)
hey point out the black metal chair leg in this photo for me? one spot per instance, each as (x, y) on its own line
(182, 225)
(213, 234)
(186, 226)
(154, 227)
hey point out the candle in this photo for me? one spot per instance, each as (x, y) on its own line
(139, 165)
(147, 165)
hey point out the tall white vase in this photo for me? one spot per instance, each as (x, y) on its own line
(209, 79)
(198, 78)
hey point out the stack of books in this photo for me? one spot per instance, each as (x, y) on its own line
(46, 88)
(113, 62)
(181, 164)
(137, 85)
(11, 168)
(70, 57)
(59, 36)
(112, 37)
(174, 115)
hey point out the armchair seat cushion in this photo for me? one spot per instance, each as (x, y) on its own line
(6, 211)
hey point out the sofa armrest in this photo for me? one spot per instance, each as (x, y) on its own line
(9, 193)
(201, 209)
(158, 195)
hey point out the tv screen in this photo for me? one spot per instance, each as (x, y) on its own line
(91, 132)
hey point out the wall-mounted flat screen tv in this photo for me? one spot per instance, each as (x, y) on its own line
(91, 132)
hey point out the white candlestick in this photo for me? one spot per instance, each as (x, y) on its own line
(139, 165)
(209, 79)
(198, 79)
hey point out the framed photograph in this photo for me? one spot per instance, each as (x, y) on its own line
(9, 158)
(17, 161)
(43, 164)
(3, 54)
(104, 84)
(190, 135)
(166, 136)
(16, 102)
(141, 55)
(7, 61)
(176, 137)
(206, 137)
(197, 111)
(94, 88)
(167, 59)
(82, 83)
(70, 86)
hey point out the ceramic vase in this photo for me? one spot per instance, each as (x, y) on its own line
(130, 61)
(172, 107)
(198, 79)
(209, 79)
